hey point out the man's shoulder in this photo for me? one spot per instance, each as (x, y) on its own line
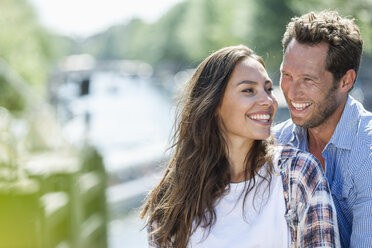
(360, 114)
(360, 157)
(365, 130)
(364, 127)
(366, 123)
(283, 131)
(362, 148)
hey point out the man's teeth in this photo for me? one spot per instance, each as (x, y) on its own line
(260, 117)
(300, 106)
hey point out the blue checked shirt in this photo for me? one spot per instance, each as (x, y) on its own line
(348, 165)
(310, 212)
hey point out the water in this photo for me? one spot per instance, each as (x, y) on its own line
(122, 115)
(127, 232)
(129, 120)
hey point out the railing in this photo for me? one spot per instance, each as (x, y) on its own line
(55, 204)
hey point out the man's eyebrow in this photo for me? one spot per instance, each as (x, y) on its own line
(311, 76)
(252, 82)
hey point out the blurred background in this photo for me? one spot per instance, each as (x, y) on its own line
(87, 96)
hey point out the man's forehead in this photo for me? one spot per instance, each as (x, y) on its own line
(303, 55)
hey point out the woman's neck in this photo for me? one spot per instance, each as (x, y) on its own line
(237, 159)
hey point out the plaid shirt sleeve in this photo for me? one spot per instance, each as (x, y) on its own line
(311, 215)
(319, 226)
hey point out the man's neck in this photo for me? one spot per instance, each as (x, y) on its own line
(318, 137)
(317, 140)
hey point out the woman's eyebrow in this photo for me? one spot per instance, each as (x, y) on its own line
(252, 82)
(247, 82)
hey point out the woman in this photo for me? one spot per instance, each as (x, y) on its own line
(227, 184)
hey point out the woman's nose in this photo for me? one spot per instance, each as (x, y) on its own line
(265, 99)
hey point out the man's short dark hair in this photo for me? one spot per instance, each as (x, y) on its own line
(342, 35)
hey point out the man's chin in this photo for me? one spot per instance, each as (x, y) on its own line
(298, 121)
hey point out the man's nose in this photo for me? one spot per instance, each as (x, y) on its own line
(294, 89)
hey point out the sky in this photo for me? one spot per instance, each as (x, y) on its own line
(82, 18)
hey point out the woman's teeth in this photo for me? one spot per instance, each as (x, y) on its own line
(261, 117)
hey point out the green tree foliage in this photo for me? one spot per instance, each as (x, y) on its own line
(209, 25)
(269, 22)
(10, 98)
(139, 40)
(192, 29)
(118, 42)
(26, 48)
(181, 38)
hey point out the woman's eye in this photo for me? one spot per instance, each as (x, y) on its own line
(270, 89)
(249, 90)
(308, 79)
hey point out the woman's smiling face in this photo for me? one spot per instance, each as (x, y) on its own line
(248, 106)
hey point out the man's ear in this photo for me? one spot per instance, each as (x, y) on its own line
(347, 81)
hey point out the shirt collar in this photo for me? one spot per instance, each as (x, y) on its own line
(299, 138)
(344, 134)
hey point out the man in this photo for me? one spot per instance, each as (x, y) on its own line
(320, 64)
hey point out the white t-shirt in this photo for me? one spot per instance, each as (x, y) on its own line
(263, 226)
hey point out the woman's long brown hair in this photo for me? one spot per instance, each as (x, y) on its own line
(198, 173)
